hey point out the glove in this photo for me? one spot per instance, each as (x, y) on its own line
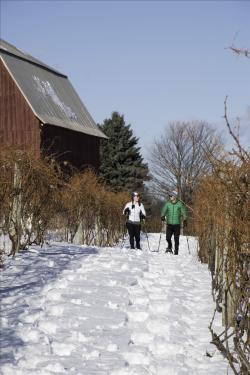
(127, 211)
(142, 217)
(163, 218)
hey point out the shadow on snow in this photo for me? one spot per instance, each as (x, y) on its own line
(26, 275)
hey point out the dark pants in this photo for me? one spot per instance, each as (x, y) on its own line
(173, 229)
(134, 234)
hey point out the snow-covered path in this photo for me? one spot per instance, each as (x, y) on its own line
(83, 311)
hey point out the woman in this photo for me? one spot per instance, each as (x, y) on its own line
(135, 213)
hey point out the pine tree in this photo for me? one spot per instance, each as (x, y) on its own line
(122, 165)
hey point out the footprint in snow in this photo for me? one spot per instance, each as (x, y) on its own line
(112, 348)
(48, 326)
(62, 284)
(62, 349)
(29, 334)
(141, 338)
(54, 295)
(159, 327)
(134, 300)
(159, 307)
(137, 316)
(112, 305)
(55, 310)
(134, 358)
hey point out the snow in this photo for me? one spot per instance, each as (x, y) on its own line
(81, 310)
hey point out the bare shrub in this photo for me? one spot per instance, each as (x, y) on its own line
(92, 210)
(28, 192)
(36, 197)
(222, 223)
(111, 222)
(77, 198)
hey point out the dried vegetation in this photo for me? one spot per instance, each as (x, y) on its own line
(37, 199)
(222, 224)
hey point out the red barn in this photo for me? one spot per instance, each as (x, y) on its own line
(40, 110)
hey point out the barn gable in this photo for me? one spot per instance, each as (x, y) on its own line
(48, 92)
(38, 99)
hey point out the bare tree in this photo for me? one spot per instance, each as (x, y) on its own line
(181, 156)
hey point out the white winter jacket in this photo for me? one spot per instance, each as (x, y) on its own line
(134, 215)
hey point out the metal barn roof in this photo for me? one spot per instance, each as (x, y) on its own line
(49, 93)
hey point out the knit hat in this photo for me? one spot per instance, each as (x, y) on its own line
(134, 194)
(173, 193)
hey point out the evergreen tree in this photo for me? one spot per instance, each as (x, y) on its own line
(122, 165)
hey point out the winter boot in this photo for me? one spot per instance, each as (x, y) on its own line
(132, 244)
(169, 250)
(138, 246)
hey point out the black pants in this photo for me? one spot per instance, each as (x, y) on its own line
(173, 229)
(134, 231)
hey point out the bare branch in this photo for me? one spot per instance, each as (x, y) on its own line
(242, 153)
(240, 51)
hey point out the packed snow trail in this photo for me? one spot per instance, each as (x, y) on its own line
(108, 311)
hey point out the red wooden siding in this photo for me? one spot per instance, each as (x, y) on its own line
(81, 150)
(18, 124)
(20, 127)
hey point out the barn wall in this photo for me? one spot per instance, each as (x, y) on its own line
(18, 124)
(20, 127)
(81, 150)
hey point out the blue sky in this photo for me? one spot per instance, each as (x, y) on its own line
(153, 61)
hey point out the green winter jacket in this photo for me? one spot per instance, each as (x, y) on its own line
(174, 212)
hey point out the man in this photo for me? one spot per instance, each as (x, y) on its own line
(135, 213)
(173, 212)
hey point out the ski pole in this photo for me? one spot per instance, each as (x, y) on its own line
(146, 236)
(159, 240)
(148, 241)
(159, 244)
(188, 245)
